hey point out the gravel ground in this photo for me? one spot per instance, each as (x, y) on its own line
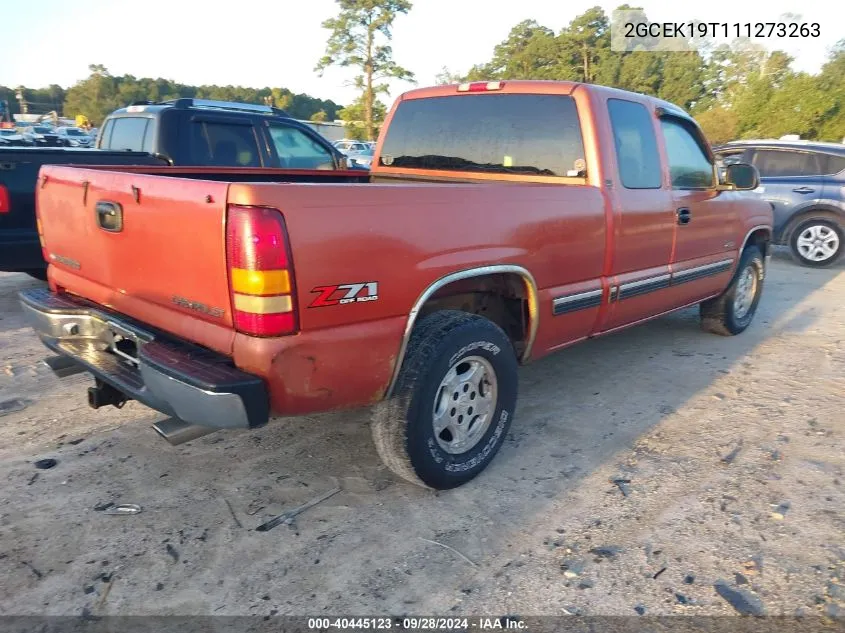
(660, 471)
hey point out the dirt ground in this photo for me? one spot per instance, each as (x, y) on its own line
(728, 457)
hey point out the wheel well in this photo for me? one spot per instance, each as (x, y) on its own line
(503, 298)
(761, 238)
(823, 214)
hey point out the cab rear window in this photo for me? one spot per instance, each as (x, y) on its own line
(487, 133)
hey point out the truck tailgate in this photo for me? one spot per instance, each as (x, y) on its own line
(150, 247)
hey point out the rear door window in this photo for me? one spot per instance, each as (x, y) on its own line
(105, 135)
(487, 133)
(127, 134)
(297, 150)
(223, 144)
(835, 164)
(775, 163)
(636, 144)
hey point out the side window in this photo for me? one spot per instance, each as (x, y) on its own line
(835, 164)
(105, 135)
(636, 144)
(223, 145)
(688, 164)
(297, 150)
(148, 137)
(774, 163)
(128, 134)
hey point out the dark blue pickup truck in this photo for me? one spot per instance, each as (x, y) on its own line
(181, 132)
(805, 183)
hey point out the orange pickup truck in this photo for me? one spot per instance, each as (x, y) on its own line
(501, 221)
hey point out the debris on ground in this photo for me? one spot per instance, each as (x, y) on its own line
(780, 510)
(172, 552)
(730, 457)
(13, 405)
(45, 464)
(606, 551)
(623, 486)
(122, 510)
(288, 517)
(741, 600)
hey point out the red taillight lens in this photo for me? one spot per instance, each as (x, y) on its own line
(260, 273)
(5, 202)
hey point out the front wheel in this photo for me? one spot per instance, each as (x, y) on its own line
(453, 403)
(817, 243)
(732, 312)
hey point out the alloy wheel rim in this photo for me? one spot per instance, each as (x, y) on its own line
(818, 243)
(464, 404)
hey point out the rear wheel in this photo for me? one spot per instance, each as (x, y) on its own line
(817, 242)
(453, 403)
(732, 312)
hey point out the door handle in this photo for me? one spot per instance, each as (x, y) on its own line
(803, 190)
(684, 215)
(109, 216)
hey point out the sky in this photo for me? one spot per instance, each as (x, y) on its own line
(276, 43)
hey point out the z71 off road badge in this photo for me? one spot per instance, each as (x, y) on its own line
(351, 293)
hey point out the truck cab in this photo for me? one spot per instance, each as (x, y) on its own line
(205, 133)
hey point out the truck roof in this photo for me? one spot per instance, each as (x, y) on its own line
(533, 86)
(201, 104)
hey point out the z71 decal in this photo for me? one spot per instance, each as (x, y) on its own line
(352, 293)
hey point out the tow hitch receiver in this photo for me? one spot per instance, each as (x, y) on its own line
(104, 394)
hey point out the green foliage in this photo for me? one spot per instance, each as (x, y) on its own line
(736, 91)
(354, 121)
(360, 36)
(101, 93)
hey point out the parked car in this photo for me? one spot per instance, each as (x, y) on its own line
(363, 158)
(182, 132)
(591, 210)
(74, 137)
(9, 137)
(805, 183)
(351, 147)
(42, 136)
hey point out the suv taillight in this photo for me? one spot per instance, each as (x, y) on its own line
(5, 202)
(260, 271)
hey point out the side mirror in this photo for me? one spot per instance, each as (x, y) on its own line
(742, 176)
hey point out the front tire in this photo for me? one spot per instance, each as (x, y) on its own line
(817, 243)
(732, 312)
(453, 402)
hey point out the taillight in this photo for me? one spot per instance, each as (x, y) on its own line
(481, 86)
(260, 271)
(5, 202)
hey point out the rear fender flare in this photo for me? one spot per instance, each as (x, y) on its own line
(530, 292)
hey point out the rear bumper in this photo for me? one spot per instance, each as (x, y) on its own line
(175, 377)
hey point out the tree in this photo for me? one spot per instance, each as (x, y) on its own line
(359, 36)
(353, 119)
(446, 76)
(319, 117)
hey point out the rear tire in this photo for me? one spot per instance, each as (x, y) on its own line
(732, 312)
(817, 243)
(453, 402)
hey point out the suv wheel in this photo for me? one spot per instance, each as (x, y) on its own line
(817, 242)
(453, 403)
